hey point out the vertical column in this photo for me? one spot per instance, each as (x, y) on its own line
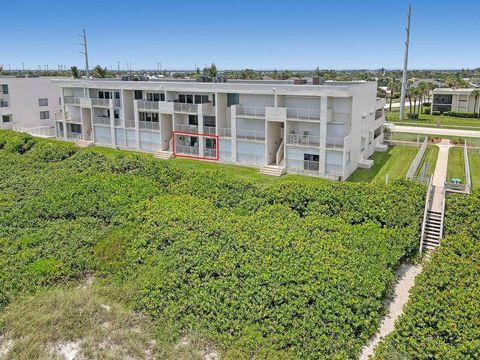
(136, 118)
(233, 127)
(64, 122)
(112, 124)
(323, 134)
(201, 139)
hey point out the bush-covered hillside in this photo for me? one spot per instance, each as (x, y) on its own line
(285, 270)
(442, 318)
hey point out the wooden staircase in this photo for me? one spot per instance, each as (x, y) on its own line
(433, 230)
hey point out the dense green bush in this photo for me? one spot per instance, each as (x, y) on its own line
(462, 114)
(412, 116)
(426, 110)
(435, 112)
(263, 271)
(441, 320)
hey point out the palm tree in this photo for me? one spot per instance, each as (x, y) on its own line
(99, 72)
(410, 96)
(422, 89)
(75, 73)
(476, 94)
(393, 85)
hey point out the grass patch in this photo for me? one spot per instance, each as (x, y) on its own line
(434, 120)
(456, 165)
(474, 157)
(395, 162)
(429, 160)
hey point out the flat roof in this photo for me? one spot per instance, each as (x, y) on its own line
(450, 90)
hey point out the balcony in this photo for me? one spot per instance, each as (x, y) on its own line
(186, 108)
(117, 103)
(71, 100)
(100, 102)
(304, 139)
(303, 114)
(101, 120)
(303, 167)
(255, 112)
(276, 114)
(210, 153)
(211, 130)
(333, 143)
(187, 128)
(148, 125)
(118, 122)
(73, 119)
(58, 116)
(225, 132)
(334, 170)
(130, 124)
(251, 135)
(147, 105)
(186, 150)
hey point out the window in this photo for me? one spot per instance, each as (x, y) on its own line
(44, 115)
(6, 119)
(233, 99)
(116, 114)
(192, 120)
(209, 121)
(138, 94)
(153, 97)
(150, 117)
(43, 102)
(190, 99)
(5, 89)
(76, 128)
(210, 143)
(181, 98)
(3, 103)
(116, 95)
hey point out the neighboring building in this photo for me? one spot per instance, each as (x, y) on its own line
(324, 130)
(29, 104)
(459, 100)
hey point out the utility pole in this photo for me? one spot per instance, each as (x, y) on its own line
(405, 65)
(85, 52)
(118, 65)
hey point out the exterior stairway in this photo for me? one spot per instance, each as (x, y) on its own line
(83, 143)
(433, 230)
(272, 170)
(164, 155)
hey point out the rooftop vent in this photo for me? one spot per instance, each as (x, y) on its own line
(317, 80)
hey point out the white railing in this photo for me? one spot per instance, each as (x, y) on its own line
(130, 124)
(303, 167)
(73, 120)
(101, 120)
(186, 150)
(186, 108)
(100, 102)
(418, 159)
(335, 143)
(211, 153)
(305, 140)
(466, 162)
(334, 169)
(150, 146)
(104, 140)
(74, 136)
(117, 122)
(225, 132)
(250, 159)
(147, 105)
(149, 125)
(253, 135)
(209, 130)
(225, 156)
(41, 131)
(187, 128)
(303, 114)
(280, 153)
(170, 144)
(116, 103)
(71, 100)
(428, 199)
(253, 111)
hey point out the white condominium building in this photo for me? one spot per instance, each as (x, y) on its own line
(325, 130)
(458, 100)
(29, 104)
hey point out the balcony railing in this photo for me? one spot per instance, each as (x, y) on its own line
(186, 108)
(116, 103)
(147, 105)
(225, 156)
(303, 114)
(209, 130)
(105, 140)
(150, 146)
(149, 125)
(101, 120)
(251, 135)
(336, 143)
(303, 167)
(186, 150)
(130, 124)
(250, 159)
(225, 132)
(210, 153)
(71, 100)
(303, 140)
(250, 111)
(77, 136)
(75, 120)
(187, 128)
(117, 122)
(100, 102)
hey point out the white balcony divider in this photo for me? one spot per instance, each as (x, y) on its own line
(186, 150)
(225, 132)
(252, 135)
(303, 140)
(130, 124)
(303, 167)
(100, 102)
(186, 108)
(170, 144)
(71, 100)
(250, 159)
(149, 125)
(303, 114)
(187, 128)
(101, 120)
(209, 130)
(253, 111)
(147, 105)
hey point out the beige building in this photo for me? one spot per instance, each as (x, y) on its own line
(459, 100)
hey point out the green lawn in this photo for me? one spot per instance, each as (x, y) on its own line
(429, 160)
(456, 166)
(434, 120)
(474, 157)
(395, 162)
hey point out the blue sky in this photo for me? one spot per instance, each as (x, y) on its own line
(237, 34)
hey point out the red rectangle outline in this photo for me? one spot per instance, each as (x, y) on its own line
(198, 135)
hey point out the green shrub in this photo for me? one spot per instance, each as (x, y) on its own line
(462, 114)
(413, 116)
(426, 110)
(49, 152)
(15, 142)
(435, 112)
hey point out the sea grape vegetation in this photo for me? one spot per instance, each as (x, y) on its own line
(288, 269)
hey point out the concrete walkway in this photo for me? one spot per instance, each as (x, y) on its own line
(406, 274)
(434, 131)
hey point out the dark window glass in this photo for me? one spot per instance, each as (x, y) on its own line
(233, 99)
(138, 94)
(192, 120)
(198, 99)
(117, 95)
(162, 97)
(189, 99)
(101, 95)
(181, 98)
(5, 89)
